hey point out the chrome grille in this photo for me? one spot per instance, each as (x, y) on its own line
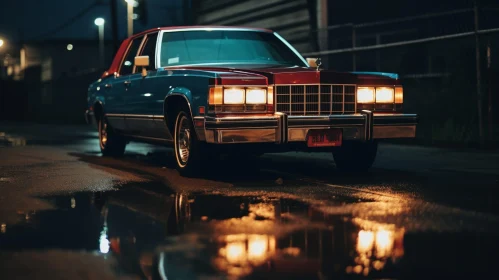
(313, 100)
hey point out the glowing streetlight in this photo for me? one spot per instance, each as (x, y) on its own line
(100, 24)
(99, 21)
(1, 43)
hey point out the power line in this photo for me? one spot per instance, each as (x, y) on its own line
(69, 21)
(403, 43)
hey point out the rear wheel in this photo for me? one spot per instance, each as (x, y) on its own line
(111, 143)
(187, 148)
(355, 156)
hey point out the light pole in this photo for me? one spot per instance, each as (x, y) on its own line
(2, 73)
(100, 24)
(130, 4)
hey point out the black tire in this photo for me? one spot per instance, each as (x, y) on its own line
(111, 143)
(189, 151)
(355, 156)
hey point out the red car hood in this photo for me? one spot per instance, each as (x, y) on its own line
(290, 75)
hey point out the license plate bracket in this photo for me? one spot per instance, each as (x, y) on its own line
(325, 137)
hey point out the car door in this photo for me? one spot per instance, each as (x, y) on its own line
(146, 95)
(117, 105)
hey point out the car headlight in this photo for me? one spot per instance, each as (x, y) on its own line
(365, 95)
(234, 96)
(256, 96)
(238, 99)
(385, 95)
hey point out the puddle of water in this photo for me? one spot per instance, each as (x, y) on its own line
(161, 235)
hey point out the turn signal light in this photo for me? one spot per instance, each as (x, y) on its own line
(399, 95)
(216, 96)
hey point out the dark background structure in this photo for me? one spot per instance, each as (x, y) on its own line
(445, 52)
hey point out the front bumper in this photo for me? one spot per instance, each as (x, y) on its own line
(280, 128)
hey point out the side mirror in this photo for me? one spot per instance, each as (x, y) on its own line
(311, 62)
(142, 61)
(314, 62)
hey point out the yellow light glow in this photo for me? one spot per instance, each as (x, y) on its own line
(256, 96)
(235, 252)
(399, 95)
(384, 95)
(384, 243)
(272, 244)
(365, 95)
(365, 241)
(216, 96)
(234, 96)
(270, 95)
(257, 247)
(1, 42)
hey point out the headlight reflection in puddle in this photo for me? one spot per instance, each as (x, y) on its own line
(244, 251)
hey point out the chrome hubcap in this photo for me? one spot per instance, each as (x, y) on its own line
(183, 139)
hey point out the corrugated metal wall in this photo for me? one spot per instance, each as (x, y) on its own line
(292, 19)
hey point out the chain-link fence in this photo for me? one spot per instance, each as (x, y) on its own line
(435, 56)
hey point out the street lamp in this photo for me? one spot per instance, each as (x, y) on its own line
(130, 5)
(100, 24)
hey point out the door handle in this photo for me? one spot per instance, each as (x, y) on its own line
(127, 83)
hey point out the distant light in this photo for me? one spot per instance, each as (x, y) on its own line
(103, 241)
(69, 47)
(147, 94)
(99, 21)
(133, 2)
(1, 42)
(135, 16)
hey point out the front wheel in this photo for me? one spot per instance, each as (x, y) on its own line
(111, 143)
(355, 156)
(187, 148)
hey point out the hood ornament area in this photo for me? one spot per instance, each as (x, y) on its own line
(318, 62)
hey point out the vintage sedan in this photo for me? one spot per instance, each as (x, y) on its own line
(207, 90)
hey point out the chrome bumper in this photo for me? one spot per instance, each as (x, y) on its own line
(282, 129)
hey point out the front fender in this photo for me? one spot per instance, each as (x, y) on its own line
(183, 92)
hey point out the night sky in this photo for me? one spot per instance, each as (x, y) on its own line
(31, 19)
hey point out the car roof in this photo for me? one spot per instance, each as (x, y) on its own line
(202, 27)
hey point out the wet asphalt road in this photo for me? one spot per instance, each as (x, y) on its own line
(68, 213)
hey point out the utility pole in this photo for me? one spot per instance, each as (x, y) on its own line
(114, 23)
(129, 16)
(478, 77)
(490, 111)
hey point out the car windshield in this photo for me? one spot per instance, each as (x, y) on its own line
(226, 47)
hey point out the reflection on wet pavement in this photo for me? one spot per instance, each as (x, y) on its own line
(8, 140)
(163, 235)
(15, 140)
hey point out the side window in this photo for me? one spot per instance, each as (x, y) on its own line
(150, 48)
(127, 64)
